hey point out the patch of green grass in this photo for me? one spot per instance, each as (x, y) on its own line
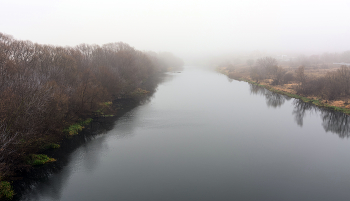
(99, 112)
(51, 146)
(108, 115)
(76, 128)
(86, 122)
(6, 190)
(39, 159)
(139, 92)
(103, 107)
(107, 103)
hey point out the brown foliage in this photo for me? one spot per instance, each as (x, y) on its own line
(288, 78)
(44, 88)
(334, 85)
(266, 68)
(300, 74)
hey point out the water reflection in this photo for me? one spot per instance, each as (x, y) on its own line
(272, 99)
(300, 109)
(256, 90)
(335, 122)
(184, 148)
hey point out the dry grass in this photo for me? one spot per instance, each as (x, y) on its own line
(242, 73)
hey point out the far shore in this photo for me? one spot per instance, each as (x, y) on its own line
(242, 74)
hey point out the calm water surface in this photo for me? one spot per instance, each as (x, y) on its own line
(205, 137)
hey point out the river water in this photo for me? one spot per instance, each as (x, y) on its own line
(203, 136)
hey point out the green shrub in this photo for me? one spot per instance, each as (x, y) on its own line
(51, 146)
(86, 122)
(6, 190)
(108, 115)
(76, 128)
(39, 159)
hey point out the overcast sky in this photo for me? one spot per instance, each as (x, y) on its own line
(186, 28)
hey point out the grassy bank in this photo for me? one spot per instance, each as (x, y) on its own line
(290, 93)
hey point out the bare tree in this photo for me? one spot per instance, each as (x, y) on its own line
(300, 74)
(266, 62)
(44, 88)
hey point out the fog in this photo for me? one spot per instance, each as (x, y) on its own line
(190, 29)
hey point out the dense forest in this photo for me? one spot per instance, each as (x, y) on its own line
(44, 89)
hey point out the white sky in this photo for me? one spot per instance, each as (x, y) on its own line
(186, 28)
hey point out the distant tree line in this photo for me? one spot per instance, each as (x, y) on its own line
(44, 88)
(332, 85)
(319, 61)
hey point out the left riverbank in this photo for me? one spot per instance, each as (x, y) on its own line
(49, 93)
(24, 181)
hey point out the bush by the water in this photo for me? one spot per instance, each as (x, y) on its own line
(45, 89)
(6, 191)
(334, 85)
(39, 159)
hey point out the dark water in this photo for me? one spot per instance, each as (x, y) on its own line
(204, 137)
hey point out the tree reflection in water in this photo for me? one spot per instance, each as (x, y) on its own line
(272, 99)
(300, 109)
(256, 90)
(335, 122)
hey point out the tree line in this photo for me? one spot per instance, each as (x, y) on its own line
(333, 85)
(45, 88)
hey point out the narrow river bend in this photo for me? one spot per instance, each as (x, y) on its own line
(205, 137)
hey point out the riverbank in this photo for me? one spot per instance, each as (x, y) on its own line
(289, 90)
(24, 181)
(183, 139)
(26, 175)
(48, 93)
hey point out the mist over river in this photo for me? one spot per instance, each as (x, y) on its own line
(204, 137)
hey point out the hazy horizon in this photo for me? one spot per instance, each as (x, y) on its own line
(189, 29)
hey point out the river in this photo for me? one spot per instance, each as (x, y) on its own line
(202, 136)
